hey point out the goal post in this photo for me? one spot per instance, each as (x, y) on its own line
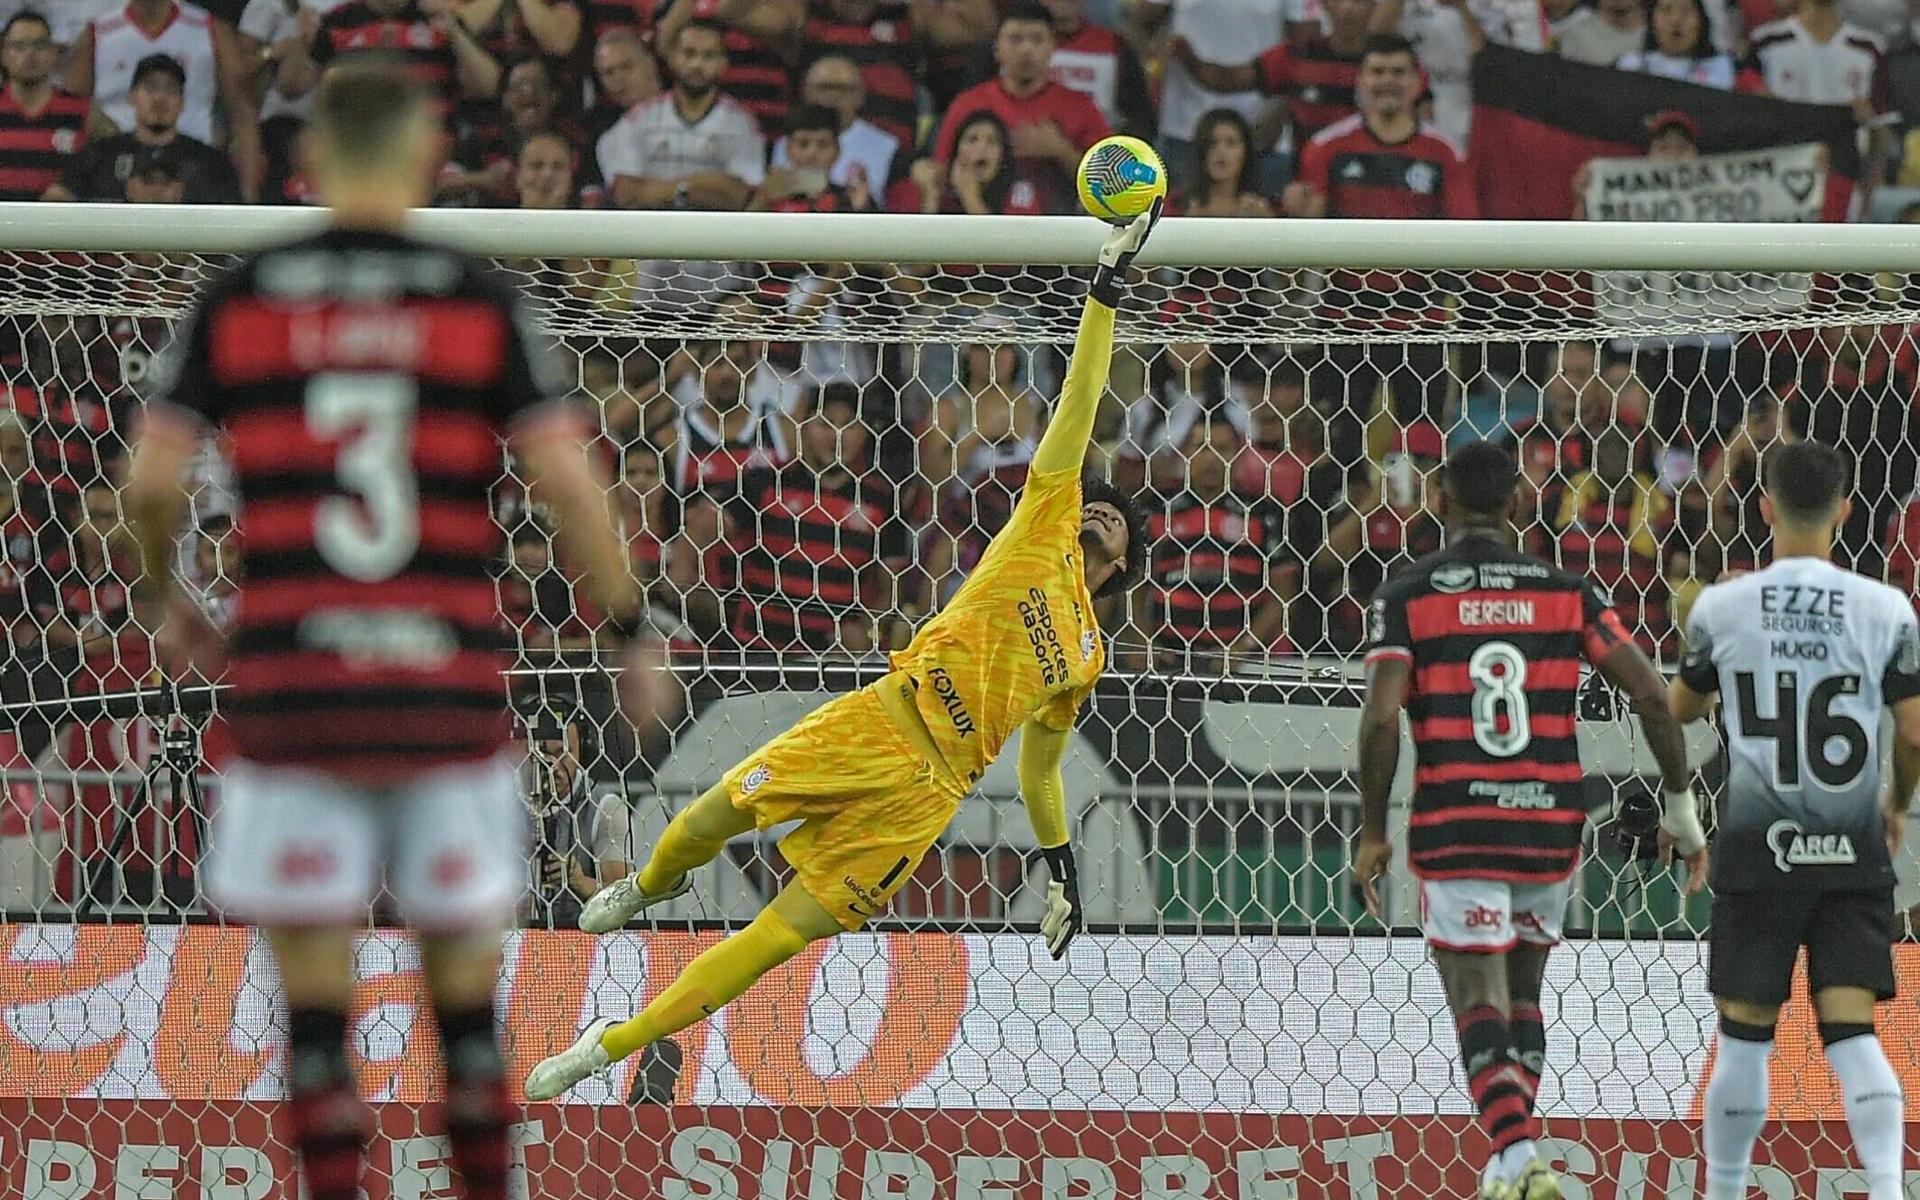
(890, 237)
(1233, 1024)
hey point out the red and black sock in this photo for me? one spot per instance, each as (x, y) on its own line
(330, 1124)
(480, 1109)
(1498, 1083)
(1529, 1043)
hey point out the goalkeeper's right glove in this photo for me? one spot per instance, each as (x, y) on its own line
(1681, 822)
(1064, 917)
(1116, 254)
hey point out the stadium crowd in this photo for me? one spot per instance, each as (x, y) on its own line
(817, 497)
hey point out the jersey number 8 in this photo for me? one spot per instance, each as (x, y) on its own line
(371, 533)
(1499, 674)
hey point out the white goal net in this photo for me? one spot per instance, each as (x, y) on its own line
(815, 425)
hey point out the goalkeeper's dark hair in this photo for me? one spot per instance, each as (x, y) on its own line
(1806, 481)
(1480, 478)
(362, 107)
(1134, 515)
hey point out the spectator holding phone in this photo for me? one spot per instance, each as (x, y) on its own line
(833, 82)
(583, 842)
(805, 183)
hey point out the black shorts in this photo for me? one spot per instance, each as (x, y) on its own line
(1755, 937)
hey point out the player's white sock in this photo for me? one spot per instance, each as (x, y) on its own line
(1876, 1107)
(1507, 1164)
(1736, 1106)
(1514, 1159)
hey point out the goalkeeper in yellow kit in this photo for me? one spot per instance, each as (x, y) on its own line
(874, 777)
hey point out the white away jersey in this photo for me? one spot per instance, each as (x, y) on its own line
(1805, 656)
(653, 141)
(1841, 70)
(187, 38)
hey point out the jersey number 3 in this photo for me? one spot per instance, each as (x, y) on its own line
(1823, 727)
(1501, 724)
(372, 532)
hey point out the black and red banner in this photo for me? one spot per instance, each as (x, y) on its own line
(1538, 118)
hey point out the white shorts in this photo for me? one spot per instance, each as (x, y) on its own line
(1490, 916)
(291, 846)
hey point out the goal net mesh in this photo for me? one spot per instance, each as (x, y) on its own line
(1234, 1024)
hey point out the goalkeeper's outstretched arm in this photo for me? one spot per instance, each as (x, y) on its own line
(1042, 748)
(1064, 446)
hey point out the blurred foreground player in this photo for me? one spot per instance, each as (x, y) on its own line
(364, 382)
(875, 776)
(1481, 644)
(1810, 654)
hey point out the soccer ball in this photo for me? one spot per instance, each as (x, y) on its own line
(1120, 178)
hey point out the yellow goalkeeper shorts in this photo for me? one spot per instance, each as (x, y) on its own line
(871, 805)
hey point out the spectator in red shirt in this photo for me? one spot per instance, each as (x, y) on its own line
(1050, 125)
(433, 45)
(1315, 76)
(1092, 59)
(1380, 162)
(982, 177)
(40, 125)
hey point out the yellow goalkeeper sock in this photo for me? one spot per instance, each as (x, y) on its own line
(709, 982)
(679, 850)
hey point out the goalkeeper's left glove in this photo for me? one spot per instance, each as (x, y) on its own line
(1116, 254)
(1064, 918)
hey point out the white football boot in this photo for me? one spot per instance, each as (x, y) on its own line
(617, 903)
(561, 1071)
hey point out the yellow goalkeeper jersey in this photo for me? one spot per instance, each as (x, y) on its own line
(1019, 638)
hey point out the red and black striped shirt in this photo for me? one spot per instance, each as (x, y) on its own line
(1316, 79)
(424, 51)
(810, 554)
(1419, 177)
(758, 74)
(1600, 542)
(888, 56)
(35, 147)
(1495, 639)
(365, 382)
(1209, 567)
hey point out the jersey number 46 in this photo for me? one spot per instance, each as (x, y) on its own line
(1793, 744)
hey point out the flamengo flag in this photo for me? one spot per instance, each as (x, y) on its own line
(1537, 119)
